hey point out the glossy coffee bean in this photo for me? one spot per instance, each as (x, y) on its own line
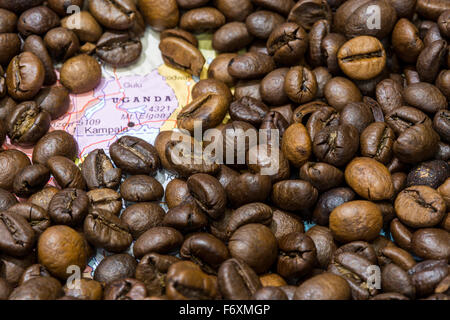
(84, 25)
(118, 49)
(40, 288)
(296, 144)
(185, 217)
(142, 216)
(54, 100)
(43, 197)
(340, 91)
(431, 243)
(118, 15)
(88, 290)
(159, 240)
(69, 206)
(261, 23)
(80, 74)
(36, 45)
(66, 173)
(202, 19)
(405, 117)
(60, 6)
(37, 20)
(61, 43)
(208, 194)
(389, 95)
(406, 41)
(126, 289)
(328, 201)
(287, 43)
(10, 44)
(430, 173)
(55, 143)
(234, 10)
(160, 14)
(250, 66)
(377, 142)
(141, 188)
(357, 114)
(7, 200)
(231, 37)
(103, 229)
(135, 156)
(415, 94)
(176, 193)
(427, 274)
(300, 84)
(218, 69)
(249, 110)
(99, 172)
(321, 175)
(24, 76)
(326, 286)
(416, 144)
(115, 267)
(430, 59)
(283, 195)
(31, 179)
(11, 163)
(17, 236)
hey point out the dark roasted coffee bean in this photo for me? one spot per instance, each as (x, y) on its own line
(231, 37)
(202, 19)
(287, 43)
(66, 173)
(405, 117)
(406, 41)
(237, 280)
(17, 238)
(425, 97)
(24, 76)
(250, 66)
(249, 110)
(250, 213)
(176, 193)
(54, 100)
(11, 163)
(341, 91)
(186, 217)
(81, 73)
(30, 180)
(431, 243)
(118, 49)
(377, 142)
(248, 188)
(326, 286)
(427, 274)
(39, 288)
(389, 95)
(104, 230)
(141, 188)
(142, 216)
(135, 156)
(126, 289)
(7, 200)
(115, 267)
(69, 207)
(430, 60)
(283, 195)
(61, 43)
(234, 10)
(430, 173)
(10, 46)
(36, 216)
(261, 23)
(307, 12)
(84, 25)
(321, 175)
(441, 124)
(208, 193)
(218, 69)
(42, 198)
(416, 144)
(37, 20)
(34, 271)
(159, 240)
(55, 143)
(36, 45)
(99, 172)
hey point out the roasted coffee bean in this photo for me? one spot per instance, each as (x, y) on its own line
(81, 73)
(231, 37)
(427, 274)
(24, 76)
(176, 193)
(416, 144)
(31, 179)
(425, 97)
(270, 293)
(326, 286)
(237, 280)
(256, 245)
(209, 109)
(152, 270)
(42, 198)
(231, 134)
(336, 145)
(135, 156)
(115, 267)
(430, 173)
(104, 230)
(118, 15)
(324, 244)
(118, 49)
(202, 19)
(321, 175)
(186, 217)
(208, 193)
(319, 31)
(250, 213)
(272, 87)
(430, 60)
(36, 45)
(11, 163)
(248, 188)
(37, 20)
(297, 256)
(213, 86)
(340, 91)
(7, 105)
(61, 43)
(405, 117)
(360, 248)
(180, 54)
(185, 280)
(10, 46)
(105, 199)
(267, 160)
(159, 240)
(27, 124)
(34, 271)
(70, 245)
(283, 195)
(406, 41)
(307, 12)
(66, 173)
(300, 84)
(443, 83)
(36, 216)
(141, 188)
(142, 216)
(284, 223)
(160, 14)
(126, 289)
(69, 206)
(389, 95)
(400, 257)
(61, 6)
(287, 43)
(99, 172)
(88, 290)
(276, 121)
(261, 23)
(431, 243)
(352, 18)
(370, 179)
(347, 224)
(54, 100)
(249, 110)
(55, 143)
(84, 25)
(218, 69)
(377, 142)
(357, 114)
(330, 200)
(322, 116)
(362, 58)
(248, 89)
(39, 288)
(250, 66)
(7, 200)
(17, 236)
(420, 207)
(8, 21)
(296, 144)
(234, 10)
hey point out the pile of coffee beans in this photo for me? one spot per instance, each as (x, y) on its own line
(358, 92)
